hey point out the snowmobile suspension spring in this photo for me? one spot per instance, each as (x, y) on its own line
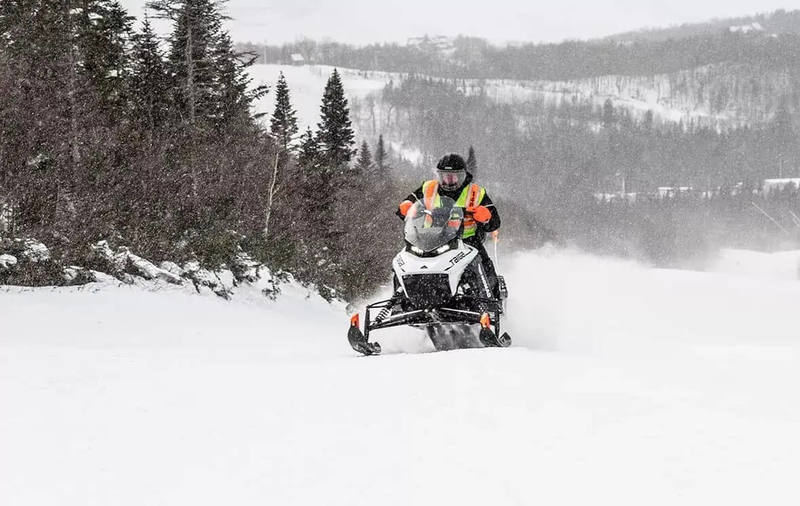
(388, 308)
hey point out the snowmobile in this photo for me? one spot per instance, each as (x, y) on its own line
(439, 285)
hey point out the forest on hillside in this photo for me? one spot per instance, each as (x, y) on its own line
(116, 139)
(470, 57)
(552, 162)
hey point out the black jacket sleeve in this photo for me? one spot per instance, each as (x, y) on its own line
(494, 223)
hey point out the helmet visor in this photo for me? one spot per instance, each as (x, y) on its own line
(451, 179)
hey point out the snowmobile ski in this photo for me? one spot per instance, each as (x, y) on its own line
(358, 341)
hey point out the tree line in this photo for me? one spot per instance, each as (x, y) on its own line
(475, 58)
(112, 132)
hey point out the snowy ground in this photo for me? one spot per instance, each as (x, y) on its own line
(626, 385)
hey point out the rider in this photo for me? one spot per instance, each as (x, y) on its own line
(481, 217)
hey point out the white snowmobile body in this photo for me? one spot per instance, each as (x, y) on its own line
(433, 272)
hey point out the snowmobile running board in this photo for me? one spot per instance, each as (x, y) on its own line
(359, 341)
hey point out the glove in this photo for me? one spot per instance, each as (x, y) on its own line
(405, 206)
(482, 214)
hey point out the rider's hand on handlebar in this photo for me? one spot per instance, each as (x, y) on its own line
(482, 214)
(405, 206)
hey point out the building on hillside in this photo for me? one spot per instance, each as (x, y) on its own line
(779, 184)
(297, 59)
(670, 192)
(630, 198)
(435, 42)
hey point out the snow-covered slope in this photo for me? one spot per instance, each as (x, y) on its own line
(716, 96)
(626, 385)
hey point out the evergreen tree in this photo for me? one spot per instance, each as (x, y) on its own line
(232, 83)
(197, 26)
(335, 135)
(608, 114)
(472, 162)
(104, 36)
(364, 162)
(309, 155)
(284, 119)
(150, 83)
(381, 157)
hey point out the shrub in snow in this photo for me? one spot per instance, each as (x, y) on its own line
(173, 268)
(102, 258)
(137, 265)
(7, 262)
(244, 268)
(74, 275)
(34, 251)
(204, 278)
(31, 266)
(123, 264)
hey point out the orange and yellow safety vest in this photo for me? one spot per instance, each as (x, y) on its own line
(471, 196)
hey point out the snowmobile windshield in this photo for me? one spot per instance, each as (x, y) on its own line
(429, 227)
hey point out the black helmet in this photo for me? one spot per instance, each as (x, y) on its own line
(451, 171)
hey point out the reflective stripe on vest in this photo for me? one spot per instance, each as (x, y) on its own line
(430, 193)
(470, 197)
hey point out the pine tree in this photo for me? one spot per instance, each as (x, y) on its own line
(335, 135)
(472, 162)
(381, 157)
(364, 162)
(284, 119)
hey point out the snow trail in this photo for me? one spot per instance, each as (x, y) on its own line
(626, 385)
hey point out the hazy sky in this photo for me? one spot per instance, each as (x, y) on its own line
(363, 21)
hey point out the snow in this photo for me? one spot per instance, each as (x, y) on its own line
(626, 385)
(782, 265)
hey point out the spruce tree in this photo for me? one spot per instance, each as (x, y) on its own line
(197, 25)
(335, 133)
(364, 162)
(232, 84)
(309, 154)
(472, 162)
(104, 37)
(381, 157)
(150, 84)
(284, 119)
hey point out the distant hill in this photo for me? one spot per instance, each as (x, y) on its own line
(778, 22)
(770, 41)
